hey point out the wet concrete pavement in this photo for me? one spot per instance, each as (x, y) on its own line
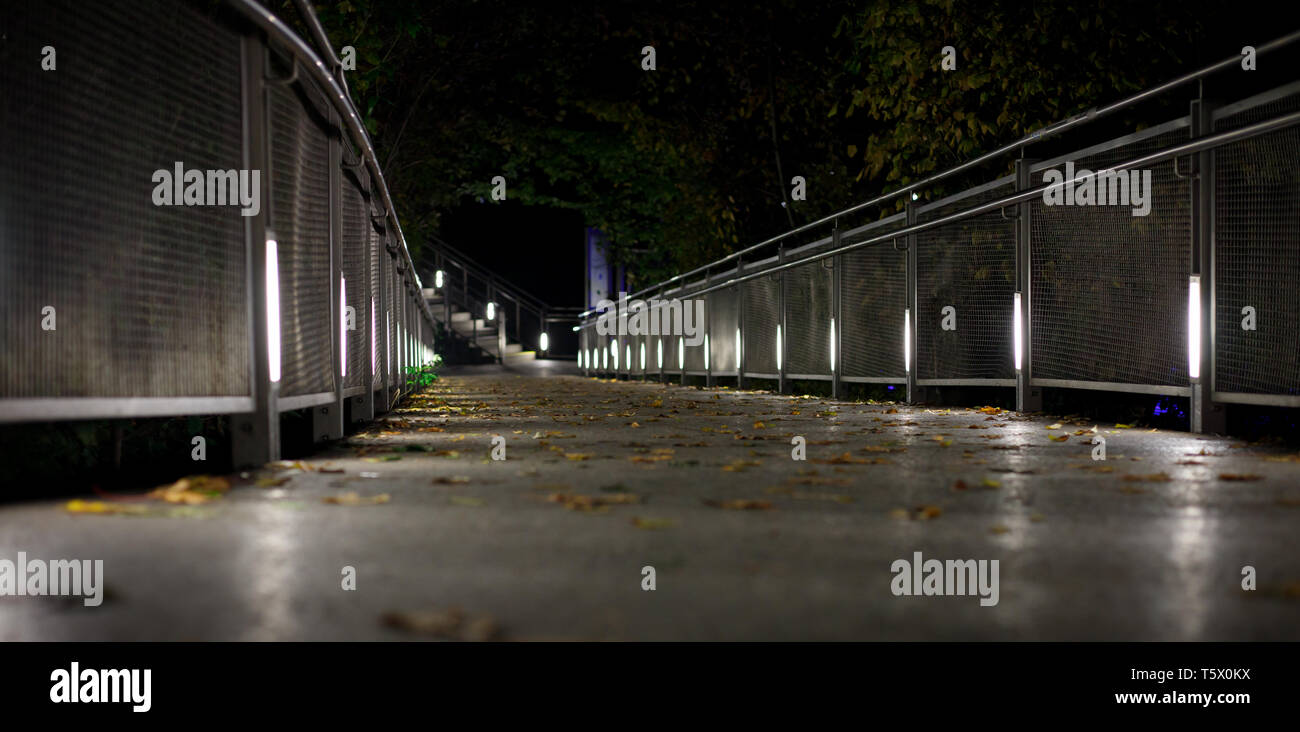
(602, 479)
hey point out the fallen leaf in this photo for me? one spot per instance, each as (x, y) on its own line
(192, 490)
(102, 507)
(652, 524)
(352, 499)
(740, 504)
(1240, 476)
(448, 624)
(925, 513)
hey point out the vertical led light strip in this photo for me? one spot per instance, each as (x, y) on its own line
(706, 351)
(832, 345)
(1194, 326)
(1017, 336)
(643, 357)
(659, 359)
(273, 308)
(681, 354)
(907, 340)
(543, 341)
(343, 325)
(778, 348)
(374, 335)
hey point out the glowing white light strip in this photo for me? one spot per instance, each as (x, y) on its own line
(1015, 325)
(273, 308)
(343, 325)
(907, 340)
(1194, 326)
(832, 345)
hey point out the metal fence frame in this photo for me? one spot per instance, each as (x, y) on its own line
(1193, 161)
(272, 56)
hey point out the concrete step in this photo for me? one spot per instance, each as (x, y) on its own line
(520, 356)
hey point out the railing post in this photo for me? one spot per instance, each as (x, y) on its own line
(256, 436)
(914, 392)
(837, 312)
(1206, 416)
(327, 419)
(1029, 398)
(782, 385)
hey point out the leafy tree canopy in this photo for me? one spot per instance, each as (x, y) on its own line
(684, 163)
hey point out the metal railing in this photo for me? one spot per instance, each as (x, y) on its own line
(992, 286)
(528, 320)
(120, 304)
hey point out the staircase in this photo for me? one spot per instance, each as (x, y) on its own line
(486, 340)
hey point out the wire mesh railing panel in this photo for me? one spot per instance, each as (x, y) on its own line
(723, 311)
(300, 219)
(699, 326)
(674, 355)
(873, 296)
(808, 318)
(356, 272)
(762, 302)
(103, 292)
(1257, 256)
(964, 284)
(394, 313)
(1109, 288)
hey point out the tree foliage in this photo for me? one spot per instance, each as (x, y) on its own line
(682, 164)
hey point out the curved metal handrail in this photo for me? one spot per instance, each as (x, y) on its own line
(342, 103)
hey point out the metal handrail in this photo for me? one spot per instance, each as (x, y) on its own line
(1036, 136)
(461, 259)
(342, 103)
(1197, 145)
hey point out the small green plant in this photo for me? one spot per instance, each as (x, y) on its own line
(418, 377)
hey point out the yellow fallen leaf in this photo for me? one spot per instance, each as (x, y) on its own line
(651, 523)
(102, 507)
(191, 490)
(352, 499)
